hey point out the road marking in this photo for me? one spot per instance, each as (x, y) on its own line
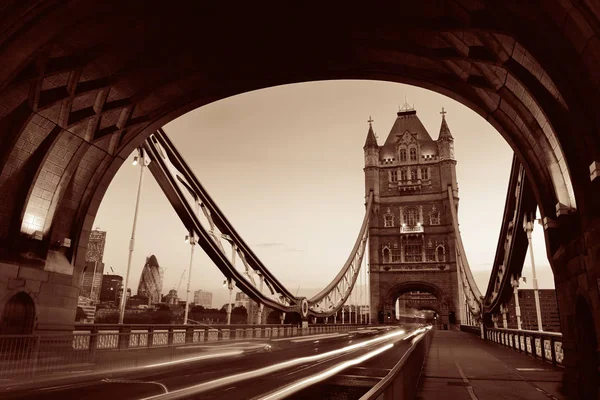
(109, 380)
(466, 381)
(531, 369)
(514, 370)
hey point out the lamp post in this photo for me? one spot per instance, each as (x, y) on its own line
(528, 226)
(229, 283)
(515, 284)
(143, 160)
(191, 238)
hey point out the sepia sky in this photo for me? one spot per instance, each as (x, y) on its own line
(285, 166)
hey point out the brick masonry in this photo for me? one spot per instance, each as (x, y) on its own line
(388, 175)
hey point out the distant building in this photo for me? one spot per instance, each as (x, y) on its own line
(172, 298)
(95, 249)
(202, 298)
(241, 300)
(548, 307)
(111, 286)
(88, 308)
(151, 281)
(91, 283)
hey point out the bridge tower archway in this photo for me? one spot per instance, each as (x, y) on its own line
(441, 306)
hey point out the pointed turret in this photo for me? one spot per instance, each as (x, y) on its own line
(371, 149)
(444, 130)
(371, 141)
(445, 140)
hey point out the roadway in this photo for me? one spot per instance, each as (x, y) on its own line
(316, 366)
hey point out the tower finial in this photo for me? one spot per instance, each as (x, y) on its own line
(443, 113)
(406, 106)
(370, 121)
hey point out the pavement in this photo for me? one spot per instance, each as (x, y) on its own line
(462, 366)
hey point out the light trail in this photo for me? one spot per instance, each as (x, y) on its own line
(198, 358)
(298, 386)
(229, 380)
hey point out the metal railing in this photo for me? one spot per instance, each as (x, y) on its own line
(402, 382)
(546, 346)
(103, 347)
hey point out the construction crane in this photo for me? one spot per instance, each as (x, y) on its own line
(180, 280)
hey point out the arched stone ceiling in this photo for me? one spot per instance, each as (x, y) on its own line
(82, 83)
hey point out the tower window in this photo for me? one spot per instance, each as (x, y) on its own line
(402, 155)
(411, 216)
(413, 154)
(430, 254)
(386, 255)
(394, 176)
(413, 250)
(440, 253)
(434, 216)
(424, 173)
(388, 221)
(403, 175)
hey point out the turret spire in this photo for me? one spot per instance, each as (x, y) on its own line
(371, 138)
(444, 130)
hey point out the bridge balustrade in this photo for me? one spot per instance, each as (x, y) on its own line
(98, 347)
(403, 380)
(546, 346)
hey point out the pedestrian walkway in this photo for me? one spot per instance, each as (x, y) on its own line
(461, 366)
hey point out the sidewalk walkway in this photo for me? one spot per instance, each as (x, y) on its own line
(461, 366)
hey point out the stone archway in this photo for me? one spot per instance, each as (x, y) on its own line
(587, 352)
(18, 315)
(81, 87)
(442, 306)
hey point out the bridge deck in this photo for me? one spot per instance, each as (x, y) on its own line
(461, 366)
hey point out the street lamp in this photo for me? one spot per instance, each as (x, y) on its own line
(515, 284)
(144, 160)
(229, 283)
(191, 239)
(528, 226)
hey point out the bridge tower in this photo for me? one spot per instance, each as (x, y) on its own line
(411, 236)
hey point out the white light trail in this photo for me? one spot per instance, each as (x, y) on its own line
(296, 387)
(229, 380)
(198, 358)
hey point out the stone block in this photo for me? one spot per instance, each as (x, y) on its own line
(52, 318)
(61, 279)
(33, 274)
(50, 299)
(59, 290)
(33, 286)
(15, 283)
(9, 270)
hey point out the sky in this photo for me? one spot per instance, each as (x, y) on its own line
(285, 165)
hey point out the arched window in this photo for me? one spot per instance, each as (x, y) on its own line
(413, 154)
(440, 253)
(413, 174)
(18, 317)
(402, 155)
(386, 255)
(403, 175)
